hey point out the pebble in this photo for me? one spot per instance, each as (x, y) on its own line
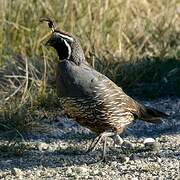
(69, 171)
(134, 178)
(124, 159)
(81, 170)
(42, 146)
(96, 172)
(127, 145)
(149, 141)
(134, 157)
(102, 173)
(151, 144)
(16, 172)
(159, 160)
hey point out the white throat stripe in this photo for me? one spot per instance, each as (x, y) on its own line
(67, 37)
(69, 49)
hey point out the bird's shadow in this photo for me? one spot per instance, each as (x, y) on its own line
(70, 156)
(64, 160)
(73, 154)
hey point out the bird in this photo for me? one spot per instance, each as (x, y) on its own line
(91, 98)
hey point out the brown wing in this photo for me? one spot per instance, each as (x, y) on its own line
(90, 97)
(115, 98)
(109, 108)
(119, 102)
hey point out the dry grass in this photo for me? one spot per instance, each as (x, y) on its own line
(112, 33)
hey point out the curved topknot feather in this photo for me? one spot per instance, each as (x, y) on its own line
(50, 22)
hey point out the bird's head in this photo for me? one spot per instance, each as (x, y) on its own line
(67, 46)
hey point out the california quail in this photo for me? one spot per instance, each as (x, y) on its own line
(89, 97)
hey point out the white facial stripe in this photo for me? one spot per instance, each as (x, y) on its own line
(69, 48)
(66, 37)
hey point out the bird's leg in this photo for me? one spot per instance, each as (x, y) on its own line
(94, 143)
(97, 140)
(117, 139)
(104, 149)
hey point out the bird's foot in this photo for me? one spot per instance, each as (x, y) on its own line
(117, 140)
(98, 140)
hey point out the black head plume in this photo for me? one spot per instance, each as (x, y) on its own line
(50, 23)
(66, 45)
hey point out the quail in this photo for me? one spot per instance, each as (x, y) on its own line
(91, 98)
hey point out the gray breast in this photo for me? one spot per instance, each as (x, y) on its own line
(75, 81)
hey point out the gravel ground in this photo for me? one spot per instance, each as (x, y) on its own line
(60, 154)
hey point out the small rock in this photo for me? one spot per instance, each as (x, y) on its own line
(96, 172)
(151, 144)
(149, 141)
(124, 159)
(102, 173)
(81, 170)
(69, 171)
(134, 157)
(42, 146)
(17, 172)
(127, 145)
(117, 140)
(159, 160)
(134, 178)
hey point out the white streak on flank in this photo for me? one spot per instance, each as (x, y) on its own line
(99, 102)
(108, 105)
(114, 102)
(93, 106)
(96, 87)
(101, 86)
(130, 109)
(115, 94)
(113, 108)
(122, 95)
(117, 111)
(86, 107)
(107, 95)
(82, 109)
(118, 98)
(105, 80)
(106, 90)
(98, 110)
(124, 124)
(78, 105)
(80, 100)
(122, 103)
(89, 98)
(97, 96)
(125, 113)
(66, 37)
(69, 49)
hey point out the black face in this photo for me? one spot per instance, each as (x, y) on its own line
(62, 43)
(67, 47)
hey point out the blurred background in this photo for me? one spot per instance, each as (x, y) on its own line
(135, 43)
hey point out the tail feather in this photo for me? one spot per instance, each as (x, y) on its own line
(151, 115)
